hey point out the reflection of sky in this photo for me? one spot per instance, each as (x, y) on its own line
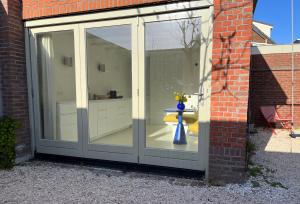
(158, 35)
(170, 34)
(119, 35)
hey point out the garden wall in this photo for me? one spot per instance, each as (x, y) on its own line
(271, 81)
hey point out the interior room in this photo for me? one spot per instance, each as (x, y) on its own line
(172, 53)
(172, 65)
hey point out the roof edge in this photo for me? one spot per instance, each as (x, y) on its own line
(259, 32)
(261, 22)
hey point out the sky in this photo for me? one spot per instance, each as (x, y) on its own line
(278, 13)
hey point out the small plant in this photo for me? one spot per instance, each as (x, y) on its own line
(278, 184)
(8, 127)
(255, 171)
(180, 97)
(250, 148)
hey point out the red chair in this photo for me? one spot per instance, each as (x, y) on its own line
(271, 115)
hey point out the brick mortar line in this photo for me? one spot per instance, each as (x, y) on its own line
(272, 70)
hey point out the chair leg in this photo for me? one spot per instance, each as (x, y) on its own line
(273, 130)
(285, 125)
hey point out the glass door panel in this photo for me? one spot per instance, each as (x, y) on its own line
(109, 81)
(56, 86)
(172, 58)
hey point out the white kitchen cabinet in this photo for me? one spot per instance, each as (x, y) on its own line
(105, 117)
(66, 121)
(93, 116)
(108, 116)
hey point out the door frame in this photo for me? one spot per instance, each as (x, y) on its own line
(52, 146)
(205, 9)
(111, 152)
(179, 159)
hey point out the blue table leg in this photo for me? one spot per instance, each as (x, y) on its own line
(179, 137)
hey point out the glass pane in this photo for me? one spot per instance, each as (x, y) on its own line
(57, 91)
(110, 85)
(172, 65)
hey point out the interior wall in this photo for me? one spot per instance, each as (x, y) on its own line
(63, 46)
(169, 71)
(118, 73)
(118, 69)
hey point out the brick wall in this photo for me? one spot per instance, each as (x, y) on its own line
(13, 71)
(259, 39)
(270, 84)
(232, 34)
(45, 8)
(230, 83)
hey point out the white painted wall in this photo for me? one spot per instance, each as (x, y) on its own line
(116, 59)
(265, 28)
(169, 71)
(117, 75)
(273, 49)
(63, 45)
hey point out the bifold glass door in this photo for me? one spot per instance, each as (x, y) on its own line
(109, 77)
(109, 90)
(172, 51)
(55, 70)
(170, 72)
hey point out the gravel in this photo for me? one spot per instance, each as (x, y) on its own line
(49, 182)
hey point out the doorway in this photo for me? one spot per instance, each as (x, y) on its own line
(107, 89)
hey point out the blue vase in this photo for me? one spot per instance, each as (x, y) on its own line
(180, 106)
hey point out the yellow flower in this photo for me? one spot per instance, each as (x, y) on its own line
(177, 98)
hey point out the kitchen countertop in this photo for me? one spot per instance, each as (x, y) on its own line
(94, 101)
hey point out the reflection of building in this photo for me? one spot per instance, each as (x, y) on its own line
(261, 34)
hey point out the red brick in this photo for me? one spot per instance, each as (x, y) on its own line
(270, 84)
(13, 71)
(75, 6)
(231, 54)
